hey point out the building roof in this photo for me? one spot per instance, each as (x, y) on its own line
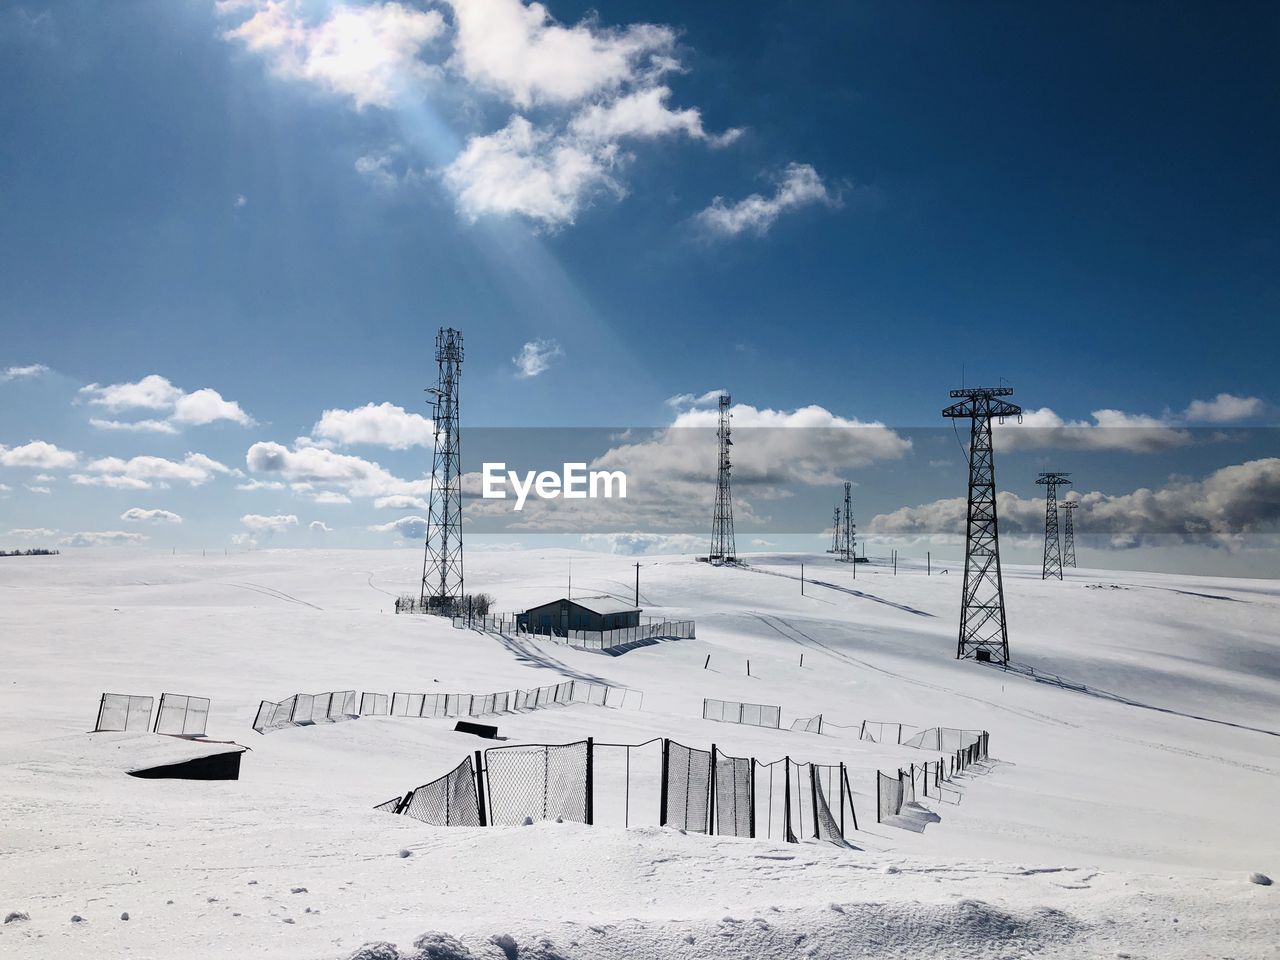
(600, 605)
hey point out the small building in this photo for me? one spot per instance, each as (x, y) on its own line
(591, 613)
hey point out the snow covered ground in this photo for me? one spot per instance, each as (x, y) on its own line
(1122, 821)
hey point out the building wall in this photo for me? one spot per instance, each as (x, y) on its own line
(551, 617)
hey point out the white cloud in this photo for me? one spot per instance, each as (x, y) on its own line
(154, 392)
(644, 114)
(38, 454)
(408, 528)
(1224, 408)
(400, 503)
(381, 425)
(139, 515)
(32, 533)
(34, 488)
(278, 523)
(799, 186)
(535, 357)
(352, 475)
(331, 497)
(532, 172)
(517, 50)
(103, 538)
(377, 168)
(23, 373)
(1227, 505)
(367, 53)
(142, 473)
(680, 400)
(134, 426)
(592, 87)
(637, 543)
(261, 485)
(240, 201)
(319, 526)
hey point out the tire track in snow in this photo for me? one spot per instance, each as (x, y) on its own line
(273, 593)
(767, 620)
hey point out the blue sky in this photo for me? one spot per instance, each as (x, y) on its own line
(833, 205)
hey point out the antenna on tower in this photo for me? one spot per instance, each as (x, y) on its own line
(846, 539)
(722, 545)
(1068, 533)
(984, 633)
(835, 531)
(442, 580)
(1052, 547)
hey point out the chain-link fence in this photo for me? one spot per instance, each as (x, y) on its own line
(182, 716)
(120, 711)
(514, 701)
(807, 725)
(686, 787)
(448, 801)
(734, 795)
(698, 791)
(888, 796)
(752, 714)
(539, 782)
(304, 709)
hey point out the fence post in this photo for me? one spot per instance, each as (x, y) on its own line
(813, 796)
(662, 809)
(711, 795)
(751, 803)
(878, 776)
(404, 803)
(480, 791)
(787, 835)
(591, 781)
(849, 790)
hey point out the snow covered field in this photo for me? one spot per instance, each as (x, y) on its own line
(1123, 821)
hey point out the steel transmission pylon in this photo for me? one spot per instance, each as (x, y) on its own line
(723, 549)
(442, 581)
(848, 543)
(984, 632)
(1052, 546)
(835, 531)
(1068, 533)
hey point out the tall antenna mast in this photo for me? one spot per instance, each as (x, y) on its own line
(1052, 547)
(984, 633)
(442, 580)
(722, 544)
(835, 531)
(848, 544)
(1068, 533)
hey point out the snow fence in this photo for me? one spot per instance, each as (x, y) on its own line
(514, 701)
(732, 711)
(303, 709)
(659, 782)
(893, 792)
(121, 711)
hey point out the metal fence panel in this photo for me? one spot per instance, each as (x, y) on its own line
(182, 716)
(733, 797)
(888, 796)
(448, 801)
(121, 711)
(688, 787)
(542, 782)
(373, 704)
(826, 784)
